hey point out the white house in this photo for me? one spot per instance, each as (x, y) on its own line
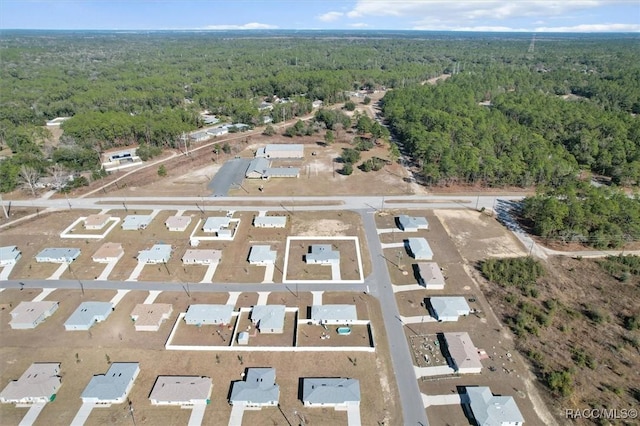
(447, 309)
(113, 386)
(281, 151)
(134, 222)
(465, 358)
(9, 255)
(87, 314)
(262, 255)
(269, 319)
(108, 252)
(185, 391)
(322, 254)
(334, 314)
(258, 390)
(149, 317)
(216, 224)
(208, 314)
(270, 221)
(38, 384)
(490, 410)
(177, 223)
(58, 255)
(411, 223)
(29, 314)
(420, 249)
(338, 393)
(158, 253)
(431, 276)
(201, 257)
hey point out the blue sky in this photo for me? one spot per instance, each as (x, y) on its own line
(457, 15)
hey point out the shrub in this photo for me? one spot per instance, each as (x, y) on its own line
(560, 382)
(162, 170)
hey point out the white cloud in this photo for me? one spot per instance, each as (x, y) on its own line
(249, 26)
(481, 28)
(592, 28)
(359, 25)
(330, 16)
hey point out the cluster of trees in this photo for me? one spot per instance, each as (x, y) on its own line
(598, 216)
(521, 272)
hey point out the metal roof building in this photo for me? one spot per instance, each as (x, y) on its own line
(330, 392)
(38, 384)
(113, 386)
(420, 249)
(209, 314)
(334, 314)
(262, 255)
(181, 390)
(133, 222)
(257, 390)
(464, 354)
(149, 317)
(268, 318)
(158, 253)
(431, 276)
(29, 314)
(491, 410)
(449, 308)
(87, 314)
(270, 221)
(58, 255)
(411, 223)
(322, 254)
(9, 255)
(281, 151)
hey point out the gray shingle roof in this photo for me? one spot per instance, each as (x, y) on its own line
(87, 312)
(490, 410)
(113, 384)
(420, 248)
(330, 390)
(449, 306)
(268, 316)
(40, 380)
(258, 388)
(261, 253)
(209, 314)
(58, 253)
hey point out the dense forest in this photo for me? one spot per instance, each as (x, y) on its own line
(569, 104)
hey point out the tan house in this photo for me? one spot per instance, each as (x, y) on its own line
(108, 252)
(96, 221)
(149, 317)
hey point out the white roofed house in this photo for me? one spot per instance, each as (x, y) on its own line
(449, 308)
(258, 390)
(431, 276)
(322, 254)
(269, 319)
(87, 314)
(9, 255)
(411, 223)
(113, 386)
(177, 223)
(270, 221)
(464, 356)
(159, 253)
(30, 314)
(488, 409)
(262, 255)
(334, 314)
(420, 249)
(199, 136)
(209, 314)
(134, 222)
(58, 255)
(281, 151)
(185, 391)
(38, 384)
(330, 392)
(216, 224)
(201, 257)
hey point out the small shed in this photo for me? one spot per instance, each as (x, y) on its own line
(243, 338)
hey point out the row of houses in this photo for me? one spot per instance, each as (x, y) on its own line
(41, 382)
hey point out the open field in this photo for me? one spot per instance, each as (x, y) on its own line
(116, 340)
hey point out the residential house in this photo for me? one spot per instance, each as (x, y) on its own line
(262, 255)
(209, 314)
(108, 252)
(114, 386)
(257, 168)
(283, 151)
(159, 253)
(9, 255)
(134, 222)
(218, 131)
(217, 225)
(420, 249)
(30, 314)
(149, 317)
(430, 276)
(334, 314)
(330, 392)
(269, 319)
(58, 255)
(177, 223)
(87, 314)
(185, 391)
(488, 409)
(447, 309)
(270, 221)
(465, 358)
(322, 254)
(201, 257)
(200, 136)
(96, 221)
(38, 384)
(257, 390)
(411, 224)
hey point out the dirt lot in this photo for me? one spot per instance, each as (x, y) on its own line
(117, 341)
